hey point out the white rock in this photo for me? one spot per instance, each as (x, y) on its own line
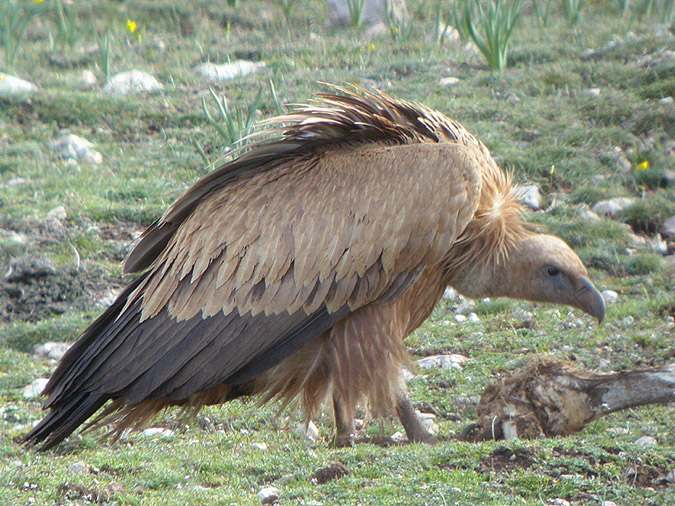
(428, 421)
(259, 446)
(108, 298)
(465, 306)
(460, 318)
(610, 296)
(558, 502)
(374, 11)
(451, 293)
(34, 390)
(628, 321)
(658, 245)
(474, 318)
(668, 228)
(12, 87)
(593, 92)
(51, 350)
(529, 195)
(87, 80)
(74, 147)
(216, 73)
(159, 432)
(452, 361)
(666, 100)
(618, 431)
(613, 207)
(399, 437)
(449, 81)
(586, 214)
(522, 315)
(58, 213)
(269, 495)
(78, 468)
(621, 160)
(131, 82)
(310, 431)
(16, 181)
(646, 442)
(406, 375)
(608, 503)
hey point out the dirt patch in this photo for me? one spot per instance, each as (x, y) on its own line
(334, 471)
(507, 459)
(33, 289)
(73, 492)
(644, 475)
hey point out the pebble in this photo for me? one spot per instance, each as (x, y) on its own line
(474, 318)
(269, 495)
(132, 82)
(78, 468)
(374, 12)
(15, 88)
(406, 375)
(451, 361)
(658, 245)
(465, 306)
(460, 318)
(450, 294)
(51, 350)
(608, 503)
(399, 437)
(522, 315)
(610, 296)
(593, 92)
(309, 431)
(628, 321)
(74, 147)
(666, 100)
(621, 160)
(646, 442)
(259, 446)
(558, 502)
(87, 80)
(57, 213)
(529, 196)
(428, 422)
(108, 298)
(158, 431)
(613, 207)
(618, 431)
(34, 390)
(215, 73)
(448, 82)
(16, 181)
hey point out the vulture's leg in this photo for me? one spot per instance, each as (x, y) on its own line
(411, 422)
(343, 426)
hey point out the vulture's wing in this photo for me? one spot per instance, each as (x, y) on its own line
(264, 264)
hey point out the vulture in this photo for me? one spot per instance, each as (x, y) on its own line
(294, 272)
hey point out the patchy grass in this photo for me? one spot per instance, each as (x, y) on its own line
(537, 117)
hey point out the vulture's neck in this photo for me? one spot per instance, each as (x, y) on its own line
(478, 264)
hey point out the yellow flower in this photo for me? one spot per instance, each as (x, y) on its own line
(371, 47)
(38, 2)
(644, 165)
(132, 26)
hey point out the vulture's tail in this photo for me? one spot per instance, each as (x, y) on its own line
(71, 407)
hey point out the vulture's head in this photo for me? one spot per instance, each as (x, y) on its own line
(544, 268)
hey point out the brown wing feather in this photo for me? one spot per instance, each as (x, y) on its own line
(352, 219)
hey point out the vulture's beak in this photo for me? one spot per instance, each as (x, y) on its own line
(589, 299)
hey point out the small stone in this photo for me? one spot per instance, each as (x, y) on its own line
(16, 181)
(78, 468)
(376, 30)
(428, 421)
(217, 73)
(593, 92)
(657, 244)
(132, 82)
(259, 446)
(399, 437)
(621, 160)
(628, 321)
(308, 431)
(666, 100)
(406, 375)
(269, 495)
(646, 442)
(87, 80)
(522, 315)
(474, 318)
(668, 228)
(374, 12)
(585, 213)
(558, 502)
(530, 196)
(460, 318)
(452, 361)
(15, 88)
(34, 390)
(613, 207)
(608, 503)
(610, 296)
(160, 432)
(465, 306)
(79, 149)
(450, 294)
(51, 350)
(449, 82)
(618, 431)
(108, 298)
(58, 213)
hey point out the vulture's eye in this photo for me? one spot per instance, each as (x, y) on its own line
(553, 271)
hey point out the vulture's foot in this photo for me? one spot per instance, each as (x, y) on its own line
(343, 440)
(343, 427)
(412, 424)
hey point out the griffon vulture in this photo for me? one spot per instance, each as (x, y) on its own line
(295, 271)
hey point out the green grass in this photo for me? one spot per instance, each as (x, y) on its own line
(536, 117)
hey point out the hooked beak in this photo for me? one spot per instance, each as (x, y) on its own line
(589, 299)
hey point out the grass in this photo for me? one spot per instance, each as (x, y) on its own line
(536, 117)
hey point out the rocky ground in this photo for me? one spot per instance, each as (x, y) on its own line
(103, 122)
